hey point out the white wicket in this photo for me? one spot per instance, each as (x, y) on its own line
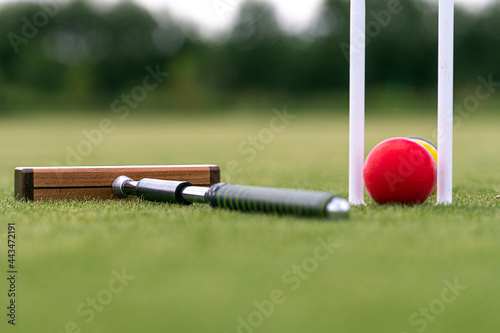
(357, 102)
(445, 102)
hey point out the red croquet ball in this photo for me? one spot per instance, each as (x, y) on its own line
(400, 170)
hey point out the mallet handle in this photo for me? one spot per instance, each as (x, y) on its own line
(236, 197)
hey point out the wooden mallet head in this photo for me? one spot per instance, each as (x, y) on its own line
(87, 183)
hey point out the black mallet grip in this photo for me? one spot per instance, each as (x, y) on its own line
(269, 200)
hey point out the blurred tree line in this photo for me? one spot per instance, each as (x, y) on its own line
(85, 56)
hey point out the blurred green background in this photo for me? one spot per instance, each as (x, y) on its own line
(84, 56)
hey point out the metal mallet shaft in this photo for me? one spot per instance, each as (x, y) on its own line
(236, 197)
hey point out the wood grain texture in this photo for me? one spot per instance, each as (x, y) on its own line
(70, 183)
(57, 194)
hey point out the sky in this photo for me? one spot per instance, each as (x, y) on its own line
(216, 15)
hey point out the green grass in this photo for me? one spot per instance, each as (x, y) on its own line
(198, 270)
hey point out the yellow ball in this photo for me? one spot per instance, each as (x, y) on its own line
(431, 148)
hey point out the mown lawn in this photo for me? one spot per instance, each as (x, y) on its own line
(195, 269)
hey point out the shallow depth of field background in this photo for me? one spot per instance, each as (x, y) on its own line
(198, 269)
